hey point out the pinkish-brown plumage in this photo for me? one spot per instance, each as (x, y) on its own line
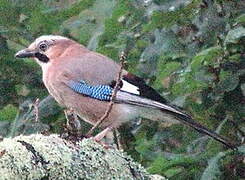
(63, 68)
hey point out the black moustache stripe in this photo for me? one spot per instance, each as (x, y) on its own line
(41, 57)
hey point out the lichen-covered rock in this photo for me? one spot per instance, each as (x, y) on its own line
(50, 157)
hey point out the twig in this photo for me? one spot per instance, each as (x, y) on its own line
(114, 93)
(36, 110)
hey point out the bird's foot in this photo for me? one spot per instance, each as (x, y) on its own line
(98, 138)
(102, 134)
(104, 144)
(73, 123)
(72, 136)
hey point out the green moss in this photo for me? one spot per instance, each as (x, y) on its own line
(157, 165)
(132, 59)
(235, 58)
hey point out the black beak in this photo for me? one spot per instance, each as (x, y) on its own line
(25, 53)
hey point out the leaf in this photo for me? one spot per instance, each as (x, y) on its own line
(243, 89)
(173, 172)
(144, 146)
(165, 70)
(8, 113)
(234, 35)
(187, 85)
(181, 15)
(206, 57)
(22, 90)
(157, 165)
(212, 172)
(3, 29)
(235, 58)
(229, 83)
(240, 19)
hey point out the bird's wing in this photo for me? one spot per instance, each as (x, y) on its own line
(100, 92)
(127, 94)
(129, 84)
(142, 88)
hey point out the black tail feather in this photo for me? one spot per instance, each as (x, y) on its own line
(200, 128)
(124, 97)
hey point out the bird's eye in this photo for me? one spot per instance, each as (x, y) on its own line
(43, 47)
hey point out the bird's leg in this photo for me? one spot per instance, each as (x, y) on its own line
(72, 123)
(117, 139)
(102, 134)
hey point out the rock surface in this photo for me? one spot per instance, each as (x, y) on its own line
(50, 157)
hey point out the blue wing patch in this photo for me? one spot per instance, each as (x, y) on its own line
(101, 92)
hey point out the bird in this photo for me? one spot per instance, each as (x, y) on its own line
(83, 81)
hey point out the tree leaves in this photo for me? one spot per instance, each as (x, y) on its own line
(206, 57)
(228, 84)
(8, 113)
(235, 35)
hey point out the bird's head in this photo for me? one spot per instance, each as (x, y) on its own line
(45, 48)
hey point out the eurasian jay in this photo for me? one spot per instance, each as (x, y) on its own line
(83, 80)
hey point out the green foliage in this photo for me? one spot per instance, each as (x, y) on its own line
(235, 35)
(192, 53)
(8, 113)
(214, 169)
(124, 17)
(43, 21)
(173, 168)
(8, 19)
(160, 1)
(229, 83)
(164, 71)
(180, 16)
(240, 19)
(112, 29)
(207, 57)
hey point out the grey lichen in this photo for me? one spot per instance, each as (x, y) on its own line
(50, 157)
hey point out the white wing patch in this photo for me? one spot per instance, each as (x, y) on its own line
(130, 88)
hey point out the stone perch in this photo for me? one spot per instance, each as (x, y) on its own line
(51, 157)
